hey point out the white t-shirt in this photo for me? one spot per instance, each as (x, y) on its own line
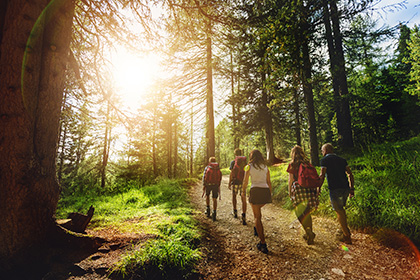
(258, 177)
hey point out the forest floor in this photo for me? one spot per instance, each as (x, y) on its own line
(229, 249)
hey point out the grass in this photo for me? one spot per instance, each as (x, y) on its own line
(162, 210)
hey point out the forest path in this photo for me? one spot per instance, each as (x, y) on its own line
(231, 253)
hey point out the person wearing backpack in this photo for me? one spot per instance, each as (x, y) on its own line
(304, 188)
(259, 194)
(212, 177)
(340, 185)
(236, 178)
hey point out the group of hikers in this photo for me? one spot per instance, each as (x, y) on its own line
(304, 187)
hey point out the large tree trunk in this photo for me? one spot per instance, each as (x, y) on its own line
(30, 103)
(297, 116)
(338, 72)
(309, 100)
(211, 143)
(268, 122)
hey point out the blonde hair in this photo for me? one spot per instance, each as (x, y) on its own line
(212, 159)
(298, 156)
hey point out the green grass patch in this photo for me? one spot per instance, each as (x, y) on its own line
(163, 210)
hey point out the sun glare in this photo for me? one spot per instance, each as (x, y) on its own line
(133, 76)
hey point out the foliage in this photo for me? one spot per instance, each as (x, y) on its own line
(387, 184)
(414, 59)
(161, 210)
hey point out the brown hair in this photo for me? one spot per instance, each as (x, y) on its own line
(212, 159)
(257, 159)
(238, 152)
(298, 156)
(328, 148)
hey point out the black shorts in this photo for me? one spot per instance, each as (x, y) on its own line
(259, 196)
(214, 189)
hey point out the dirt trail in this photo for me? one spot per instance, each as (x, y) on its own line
(231, 253)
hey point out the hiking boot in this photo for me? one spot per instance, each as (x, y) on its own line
(235, 213)
(262, 247)
(309, 236)
(207, 212)
(345, 239)
(244, 219)
(214, 215)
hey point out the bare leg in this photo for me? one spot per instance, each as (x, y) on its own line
(214, 204)
(243, 198)
(256, 209)
(234, 203)
(342, 219)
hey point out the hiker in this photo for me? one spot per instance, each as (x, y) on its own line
(236, 178)
(260, 192)
(340, 184)
(212, 177)
(305, 199)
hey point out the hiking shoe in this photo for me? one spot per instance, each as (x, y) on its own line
(214, 216)
(235, 213)
(262, 247)
(345, 239)
(243, 219)
(311, 237)
(207, 212)
(255, 231)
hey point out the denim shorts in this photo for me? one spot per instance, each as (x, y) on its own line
(338, 198)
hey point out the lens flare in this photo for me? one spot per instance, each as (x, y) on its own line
(344, 248)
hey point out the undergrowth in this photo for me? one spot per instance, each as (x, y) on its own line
(161, 210)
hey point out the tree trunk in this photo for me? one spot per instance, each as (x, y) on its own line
(346, 139)
(30, 104)
(333, 67)
(309, 100)
(175, 148)
(105, 153)
(268, 122)
(211, 143)
(297, 116)
(191, 170)
(234, 107)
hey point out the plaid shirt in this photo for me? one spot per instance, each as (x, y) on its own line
(307, 196)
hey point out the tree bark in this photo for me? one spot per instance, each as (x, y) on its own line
(338, 72)
(268, 122)
(107, 139)
(297, 116)
(309, 100)
(211, 142)
(30, 104)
